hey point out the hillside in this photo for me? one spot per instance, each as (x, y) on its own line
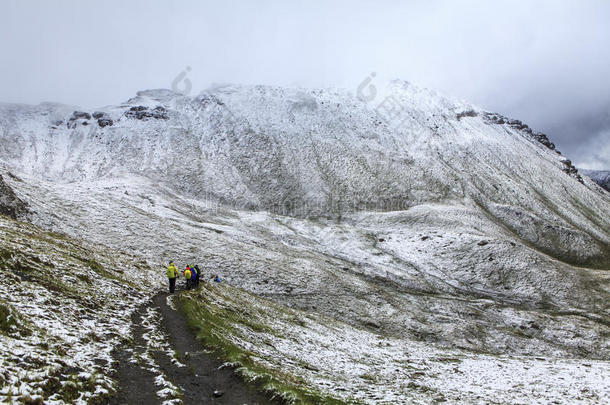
(457, 231)
(65, 309)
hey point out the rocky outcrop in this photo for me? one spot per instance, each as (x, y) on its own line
(469, 113)
(497, 119)
(141, 112)
(103, 120)
(570, 170)
(80, 115)
(10, 204)
(494, 118)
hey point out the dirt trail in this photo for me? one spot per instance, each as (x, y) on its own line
(198, 380)
(136, 383)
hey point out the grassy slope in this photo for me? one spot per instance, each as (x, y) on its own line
(306, 358)
(64, 309)
(219, 313)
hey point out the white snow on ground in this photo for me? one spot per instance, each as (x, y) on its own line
(456, 231)
(350, 363)
(301, 263)
(72, 307)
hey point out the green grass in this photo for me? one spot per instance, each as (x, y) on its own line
(32, 259)
(79, 260)
(213, 324)
(369, 377)
(11, 322)
(7, 321)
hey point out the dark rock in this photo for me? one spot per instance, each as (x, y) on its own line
(142, 112)
(371, 324)
(469, 113)
(570, 170)
(533, 325)
(425, 237)
(482, 243)
(542, 138)
(98, 115)
(104, 122)
(80, 115)
(381, 240)
(497, 119)
(10, 204)
(493, 118)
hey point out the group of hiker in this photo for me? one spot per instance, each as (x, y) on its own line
(191, 275)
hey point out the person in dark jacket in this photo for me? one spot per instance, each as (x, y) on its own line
(197, 276)
(193, 277)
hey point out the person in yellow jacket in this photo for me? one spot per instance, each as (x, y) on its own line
(172, 274)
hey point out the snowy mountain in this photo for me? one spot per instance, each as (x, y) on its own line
(601, 177)
(445, 228)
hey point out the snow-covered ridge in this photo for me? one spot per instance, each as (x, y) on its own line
(317, 152)
(453, 226)
(213, 121)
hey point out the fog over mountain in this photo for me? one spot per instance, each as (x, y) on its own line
(545, 62)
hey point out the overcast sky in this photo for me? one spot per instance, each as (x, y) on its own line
(544, 62)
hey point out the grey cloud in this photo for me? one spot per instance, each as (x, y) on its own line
(545, 62)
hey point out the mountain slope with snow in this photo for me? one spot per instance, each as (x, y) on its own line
(458, 227)
(65, 308)
(321, 153)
